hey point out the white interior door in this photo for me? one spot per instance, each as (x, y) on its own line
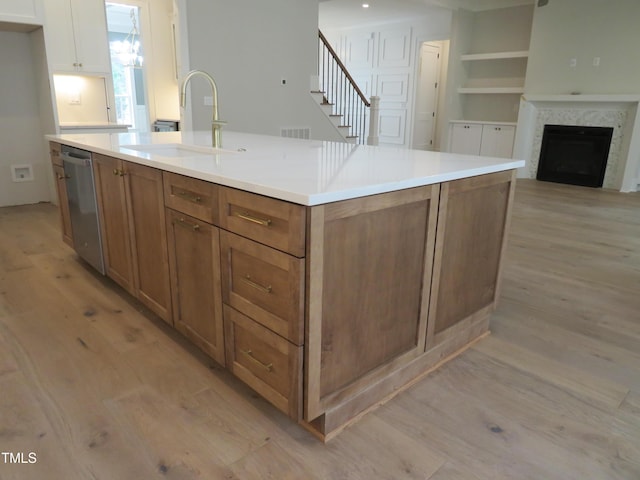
(424, 124)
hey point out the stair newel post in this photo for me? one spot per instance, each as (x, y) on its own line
(374, 117)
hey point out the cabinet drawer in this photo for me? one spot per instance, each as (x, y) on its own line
(264, 284)
(266, 362)
(276, 223)
(191, 196)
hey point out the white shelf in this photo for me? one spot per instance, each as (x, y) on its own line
(494, 56)
(494, 90)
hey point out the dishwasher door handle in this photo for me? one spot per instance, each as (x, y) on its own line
(76, 159)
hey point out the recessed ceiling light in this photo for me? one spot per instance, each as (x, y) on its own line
(365, 5)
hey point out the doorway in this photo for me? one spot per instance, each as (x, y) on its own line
(127, 65)
(426, 105)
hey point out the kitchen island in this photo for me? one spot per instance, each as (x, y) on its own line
(327, 276)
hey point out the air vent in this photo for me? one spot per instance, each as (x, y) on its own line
(301, 132)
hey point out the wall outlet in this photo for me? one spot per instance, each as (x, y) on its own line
(596, 61)
(573, 62)
(208, 101)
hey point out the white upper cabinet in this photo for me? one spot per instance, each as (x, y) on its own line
(21, 11)
(77, 36)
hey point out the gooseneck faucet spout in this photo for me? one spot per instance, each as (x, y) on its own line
(216, 124)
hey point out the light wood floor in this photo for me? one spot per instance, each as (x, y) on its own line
(98, 389)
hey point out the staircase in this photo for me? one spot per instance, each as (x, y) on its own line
(342, 101)
(336, 119)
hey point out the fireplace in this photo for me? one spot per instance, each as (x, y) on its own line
(574, 154)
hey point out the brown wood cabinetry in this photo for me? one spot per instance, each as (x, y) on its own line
(61, 188)
(263, 278)
(268, 363)
(132, 218)
(114, 220)
(370, 265)
(470, 244)
(194, 254)
(266, 220)
(326, 311)
(264, 284)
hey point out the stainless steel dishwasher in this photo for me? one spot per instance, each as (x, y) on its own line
(81, 191)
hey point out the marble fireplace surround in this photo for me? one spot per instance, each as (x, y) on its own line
(621, 112)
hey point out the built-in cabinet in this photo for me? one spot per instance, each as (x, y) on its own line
(132, 220)
(61, 189)
(28, 12)
(487, 72)
(76, 33)
(194, 259)
(325, 310)
(263, 288)
(486, 139)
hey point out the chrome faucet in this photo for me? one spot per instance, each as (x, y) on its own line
(216, 124)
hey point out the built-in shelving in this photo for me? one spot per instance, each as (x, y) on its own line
(495, 55)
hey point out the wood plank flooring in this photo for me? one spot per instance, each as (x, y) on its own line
(98, 388)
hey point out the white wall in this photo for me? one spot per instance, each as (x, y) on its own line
(584, 29)
(21, 133)
(248, 46)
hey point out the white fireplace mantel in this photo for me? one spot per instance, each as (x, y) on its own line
(619, 111)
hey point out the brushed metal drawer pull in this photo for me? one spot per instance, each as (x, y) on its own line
(249, 354)
(250, 218)
(192, 226)
(247, 279)
(189, 196)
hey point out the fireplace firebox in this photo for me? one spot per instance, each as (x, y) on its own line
(575, 155)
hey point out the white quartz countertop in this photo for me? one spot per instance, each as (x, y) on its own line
(307, 172)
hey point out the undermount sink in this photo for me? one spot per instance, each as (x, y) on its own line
(177, 150)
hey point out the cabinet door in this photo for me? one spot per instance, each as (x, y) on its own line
(61, 48)
(90, 34)
(114, 220)
(497, 141)
(63, 204)
(145, 202)
(465, 138)
(470, 243)
(194, 255)
(77, 36)
(369, 271)
(22, 11)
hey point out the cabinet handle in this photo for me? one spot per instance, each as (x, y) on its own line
(189, 196)
(249, 354)
(247, 279)
(191, 226)
(63, 177)
(250, 218)
(118, 172)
